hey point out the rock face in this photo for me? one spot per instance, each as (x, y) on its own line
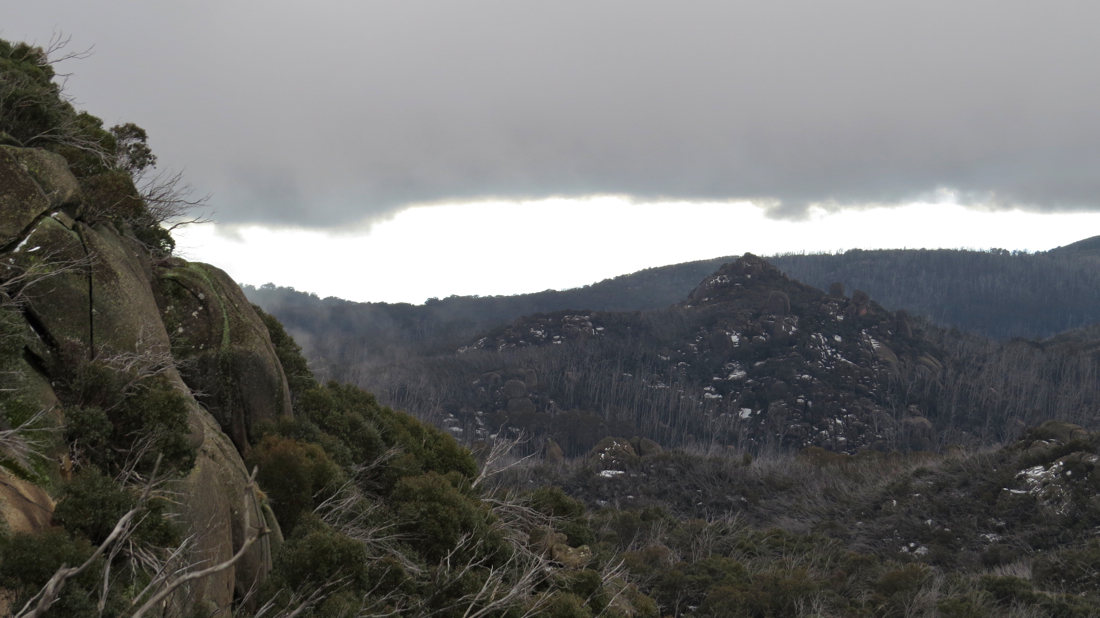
(116, 301)
(24, 507)
(230, 356)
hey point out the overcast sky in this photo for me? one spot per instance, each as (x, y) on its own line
(306, 120)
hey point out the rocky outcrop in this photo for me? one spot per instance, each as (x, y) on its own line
(24, 506)
(228, 352)
(108, 298)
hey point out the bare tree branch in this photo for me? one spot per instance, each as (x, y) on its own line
(168, 586)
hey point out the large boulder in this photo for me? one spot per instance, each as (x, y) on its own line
(59, 307)
(24, 507)
(51, 173)
(779, 303)
(125, 316)
(21, 199)
(228, 352)
(521, 405)
(514, 389)
(217, 506)
(1060, 431)
(553, 452)
(645, 447)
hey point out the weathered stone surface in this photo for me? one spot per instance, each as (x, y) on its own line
(553, 452)
(234, 363)
(59, 306)
(779, 303)
(903, 326)
(125, 317)
(51, 173)
(521, 405)
(21, 199)
(921, 432)
(612, 449)
(531, 379)
(645, 447)
(216, 509)
(23, 506)
(106, 306)
(514, 389)
(571, 557)
(885, 354)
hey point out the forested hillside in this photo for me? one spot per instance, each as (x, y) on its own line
(997, 294)
(759, 360)
(336, 332)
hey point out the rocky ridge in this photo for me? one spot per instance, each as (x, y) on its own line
(762, 358)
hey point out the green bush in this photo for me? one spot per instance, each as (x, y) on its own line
(1009, 590)
(88, 432)
(28, 561)
(159, 411)
(296, 476)
(1071, 570)
(962, 607)
(574, 523)
(765, 595)
(91, 504)
(299, 377)
(564, 605)
(316, 554)
(433, 510)
(345, 413)
(109, 422)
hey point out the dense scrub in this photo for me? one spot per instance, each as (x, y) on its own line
(1001, 532)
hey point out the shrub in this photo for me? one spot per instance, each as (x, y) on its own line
(298, 375)
(962, 607)
(88, 431)
(91, 504)
(574, 525)
(295, 475)
(315, 553)
(565, 605)
(344, 412)
(434, 512)
(1072, 570)
(28, 561)
(157, 411)
(766, 595)
(110, 422)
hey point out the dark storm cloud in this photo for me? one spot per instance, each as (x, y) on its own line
(334, 112)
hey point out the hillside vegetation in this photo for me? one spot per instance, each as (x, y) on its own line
(754, 447)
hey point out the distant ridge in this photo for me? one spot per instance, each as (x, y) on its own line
(1081, 248)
